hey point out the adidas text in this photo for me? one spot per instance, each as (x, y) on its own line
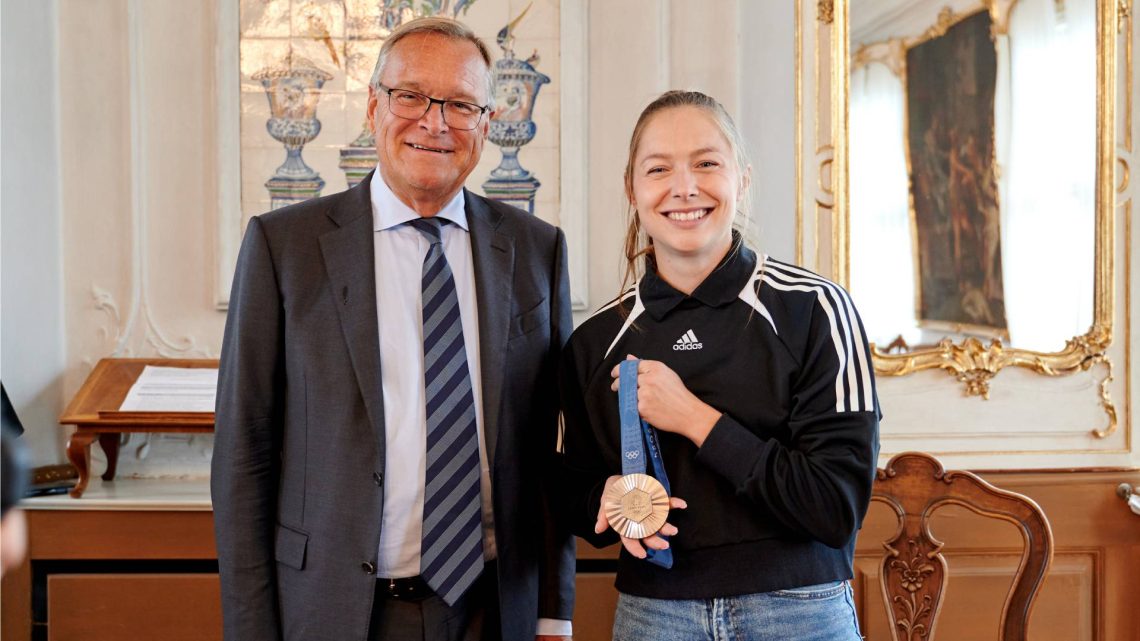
(688, 341)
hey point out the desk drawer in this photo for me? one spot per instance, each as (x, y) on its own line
(113, 607)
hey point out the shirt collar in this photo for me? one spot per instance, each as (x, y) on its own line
(719, 288)
(389, 211)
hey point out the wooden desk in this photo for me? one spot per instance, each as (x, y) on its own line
(94, 413)
(135, 559)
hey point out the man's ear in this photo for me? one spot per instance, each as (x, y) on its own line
(487, 123)
(370, 111)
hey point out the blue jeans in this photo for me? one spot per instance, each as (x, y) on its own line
(824, 612)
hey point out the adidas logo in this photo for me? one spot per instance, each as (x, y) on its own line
(688, 341)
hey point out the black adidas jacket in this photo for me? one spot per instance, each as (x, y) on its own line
(783, 481)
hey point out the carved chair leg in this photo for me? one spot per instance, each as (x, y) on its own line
(79, 453)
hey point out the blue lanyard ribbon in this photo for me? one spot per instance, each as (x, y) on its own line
(637, 437)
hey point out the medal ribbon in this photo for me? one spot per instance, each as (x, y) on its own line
(637, 437)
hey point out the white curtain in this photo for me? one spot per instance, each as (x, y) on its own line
(882, 259)
(1047, 116)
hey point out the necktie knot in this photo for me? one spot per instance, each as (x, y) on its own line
(430, 228)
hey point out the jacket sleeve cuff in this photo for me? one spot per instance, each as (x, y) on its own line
(554, 628)
(731, 450)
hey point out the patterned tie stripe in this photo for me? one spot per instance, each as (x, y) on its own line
(452, 546)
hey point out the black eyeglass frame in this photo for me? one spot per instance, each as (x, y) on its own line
(435, 101)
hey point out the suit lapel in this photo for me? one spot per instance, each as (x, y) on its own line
(349, 256)
(493, 257)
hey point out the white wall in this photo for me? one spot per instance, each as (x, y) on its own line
(767, 114)
(741, 53)
(31, 266)
(641, 48)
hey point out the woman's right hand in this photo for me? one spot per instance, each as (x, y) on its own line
(636, 547)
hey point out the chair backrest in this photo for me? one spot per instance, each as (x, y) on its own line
(914, 573)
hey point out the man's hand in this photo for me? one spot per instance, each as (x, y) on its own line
(665, 402)
(546, 637)
(636, 547)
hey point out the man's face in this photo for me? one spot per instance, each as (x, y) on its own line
(425, 162)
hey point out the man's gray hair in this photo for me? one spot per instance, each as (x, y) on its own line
(439, 25)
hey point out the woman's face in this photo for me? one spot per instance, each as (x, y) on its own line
(685, 187)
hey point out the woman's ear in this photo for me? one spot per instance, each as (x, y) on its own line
(745, 179)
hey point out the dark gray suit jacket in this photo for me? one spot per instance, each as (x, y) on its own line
(299, 445)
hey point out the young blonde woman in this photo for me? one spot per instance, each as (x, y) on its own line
(757, 379)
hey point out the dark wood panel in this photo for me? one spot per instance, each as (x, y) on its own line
(594, 607)
(587, 551)
(101, 534)
(1066, 608)
(976, 591)
(112, 607)
(16, 621)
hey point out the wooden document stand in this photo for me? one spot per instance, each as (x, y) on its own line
(95, 413)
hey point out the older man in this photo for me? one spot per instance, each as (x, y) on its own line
(386, 404)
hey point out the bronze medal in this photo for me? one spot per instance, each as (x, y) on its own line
(636, 505)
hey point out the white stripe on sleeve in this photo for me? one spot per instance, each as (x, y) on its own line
(851, 349)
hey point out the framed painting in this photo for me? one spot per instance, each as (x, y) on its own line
(950, 88)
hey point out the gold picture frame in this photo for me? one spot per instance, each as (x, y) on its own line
(970, 361)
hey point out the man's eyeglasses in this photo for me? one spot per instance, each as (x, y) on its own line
(414, 105)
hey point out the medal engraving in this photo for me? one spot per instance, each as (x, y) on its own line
(636, 506)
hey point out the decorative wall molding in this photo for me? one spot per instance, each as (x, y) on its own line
(142, 336)
(826, 11)
(573, 211)
(821, 155)
(975, 364)
(105, 302)
(228, 140)
(137, 333)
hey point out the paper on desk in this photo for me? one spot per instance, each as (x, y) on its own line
(172, 389)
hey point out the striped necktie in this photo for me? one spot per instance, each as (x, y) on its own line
(451, 552)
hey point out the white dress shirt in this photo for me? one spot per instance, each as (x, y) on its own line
(400, 252)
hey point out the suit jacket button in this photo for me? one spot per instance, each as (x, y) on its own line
(368, 567)
(378, 479)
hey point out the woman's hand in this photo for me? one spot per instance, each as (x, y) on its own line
(636, 547)
(665, 402)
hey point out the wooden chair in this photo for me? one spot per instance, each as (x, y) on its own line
(914, 572)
